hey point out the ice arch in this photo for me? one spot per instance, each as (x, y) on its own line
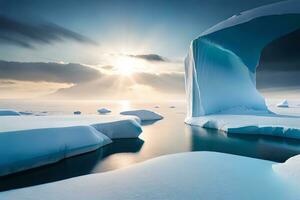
(220, 69)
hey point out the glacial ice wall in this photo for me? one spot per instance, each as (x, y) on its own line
(220, 69)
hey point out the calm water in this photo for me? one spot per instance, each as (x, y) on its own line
(166, 136)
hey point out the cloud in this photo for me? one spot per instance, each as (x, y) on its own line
(165, 82)
(112, 86)
(83, 82)
(150, 57)
(47, 72)
(25, 35)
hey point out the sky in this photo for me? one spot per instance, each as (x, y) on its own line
(116, 49)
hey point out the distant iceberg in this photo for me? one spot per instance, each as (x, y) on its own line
(9, 112)
(283, 104)
(144, 115)
(191, 175)
(103, 111)
(220, 69)
(77, 113)
(31, 141)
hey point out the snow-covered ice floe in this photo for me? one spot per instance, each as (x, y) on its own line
(144, 115)
(31, 141)
(283, 104)
(193, 175)
(220, 71)
(9, 112)
(104, 111)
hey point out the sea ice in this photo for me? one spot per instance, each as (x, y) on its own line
(103, 111)
(8, 112)
(283, 104)
(144, 115)
(31, 141)
(192, 175)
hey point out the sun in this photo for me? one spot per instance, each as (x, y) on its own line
(125, 66)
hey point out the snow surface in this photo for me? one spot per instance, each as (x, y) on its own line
(8, 112)
(103, 111)
(220, 72)
(283, 104)
(144, 115)
(193, 175)
(290, 169)
(31, 141)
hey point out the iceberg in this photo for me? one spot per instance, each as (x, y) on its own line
(220, 68)
(283, 104)
(144, 115)
(77, 113)
(9, 112)
(103, 111)
(190, 175)
(31, 141)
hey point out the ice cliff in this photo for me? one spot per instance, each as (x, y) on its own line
(220, 69)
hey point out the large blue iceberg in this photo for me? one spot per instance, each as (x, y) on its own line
(221, 64)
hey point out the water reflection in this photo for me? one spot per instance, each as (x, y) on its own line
(167, 136)
(71, 167)
(263, 147)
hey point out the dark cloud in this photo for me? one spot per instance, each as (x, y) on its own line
(49, 72)
(4, 82)
(25, 34)
(150, 57)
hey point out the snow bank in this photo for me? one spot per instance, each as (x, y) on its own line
(103, 111)
(31, 141)
(193, 175)
(283, 104)
(220, 69)
(8, 112)
(144, 115)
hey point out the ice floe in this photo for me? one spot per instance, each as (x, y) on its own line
(103, 111)
(283, 104)
(144, 115)
(31, 141)
(9, 112)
